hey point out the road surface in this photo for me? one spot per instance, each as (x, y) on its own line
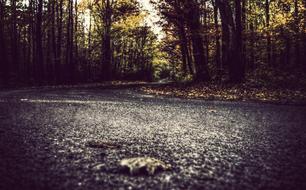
(210, 144)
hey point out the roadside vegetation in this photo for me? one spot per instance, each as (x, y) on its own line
(209, 47)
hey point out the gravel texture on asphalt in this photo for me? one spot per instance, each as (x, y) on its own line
(210, 144)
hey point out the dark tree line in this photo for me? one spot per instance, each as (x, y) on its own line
(69, 41)
(57, 41)
(217, 38)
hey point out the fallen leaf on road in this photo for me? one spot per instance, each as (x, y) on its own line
(212, 111)
(241, 92)
(102, 145)
(99, 166)
(144, 164)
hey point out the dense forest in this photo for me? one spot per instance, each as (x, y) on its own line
(71, 41)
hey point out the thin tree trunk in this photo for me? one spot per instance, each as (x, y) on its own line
(237, 70)
(58, 70)
(217, 41)
(33, 41)
(244, 28)
(194, 25)
(69, 43)
(29, 60)
(206, 40)
(3, 52)
(304, 33)
(39, 49)
(14, 40)
(53, 36)
(106, 50)
(297, 32)
(187, 63)
(252, 42)
(76, 51)
(49, 57)
(32, 66)
(267, 7)
(183, 47)
(89, 46)
(225, 32)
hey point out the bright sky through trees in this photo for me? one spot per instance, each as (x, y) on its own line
(152, 17)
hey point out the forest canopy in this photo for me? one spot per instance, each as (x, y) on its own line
(73, 41)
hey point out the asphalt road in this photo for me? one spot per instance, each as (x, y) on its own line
(210, 145)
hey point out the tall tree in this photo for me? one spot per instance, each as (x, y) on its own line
(106, 50)
(267, 10)
(226, 21)
(297, 32)
(251, 63)
(14, 38)
(31, 43)
(70, 43)
(244, 28)
(304, 34)
(59, 13)
(232, 39)
(217, 40)
(39, 60)
(3, 51)
(75, 36)
(180, 21)
(237, 67)
(53, 39)
(194, 25)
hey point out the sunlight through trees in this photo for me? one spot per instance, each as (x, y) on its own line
(71, 41)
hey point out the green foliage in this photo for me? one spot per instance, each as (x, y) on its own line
(74, 39)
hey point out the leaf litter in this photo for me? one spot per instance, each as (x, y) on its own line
(146, 165)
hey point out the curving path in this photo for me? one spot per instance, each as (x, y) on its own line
(211, 145)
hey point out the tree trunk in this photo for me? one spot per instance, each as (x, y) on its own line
(304, 33)
(88, 66)
(194, 25)
(3, 52)
(267, 7)
(232, 39)
(206, 40)
(184, 49)
(14, 41)
(252, 42)
(106, 48)
(217, 41)
(237, 67)
(76, 48)
(244, 28)
(39, 49)
(31, 45)
(69, 44)
(181, 23)
(251, 63)
(58, 70)
(225, 14)
(49, 46)
(297, 32)
(53, 36)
